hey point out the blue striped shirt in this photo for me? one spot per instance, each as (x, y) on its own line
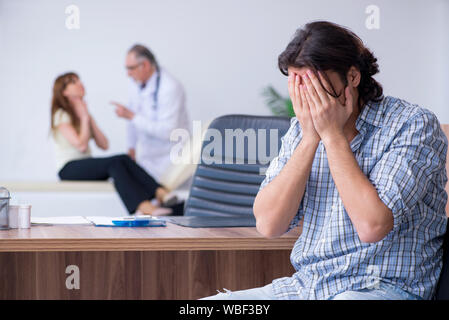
(402, 150)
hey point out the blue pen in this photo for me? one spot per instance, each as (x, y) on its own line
(139, 222)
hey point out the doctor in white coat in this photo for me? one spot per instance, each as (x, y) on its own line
(156, 108)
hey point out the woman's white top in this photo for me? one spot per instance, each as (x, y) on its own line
(64, 150)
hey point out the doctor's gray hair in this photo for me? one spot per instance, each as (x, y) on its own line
(143, 52)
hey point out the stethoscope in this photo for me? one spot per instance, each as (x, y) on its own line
(156, 91)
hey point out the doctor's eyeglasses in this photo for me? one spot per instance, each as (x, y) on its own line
(130, 68)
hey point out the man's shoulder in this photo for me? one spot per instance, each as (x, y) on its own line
(294, 126)
(293, 133)
(395, 113)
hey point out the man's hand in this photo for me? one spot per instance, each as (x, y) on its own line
(122, 111)
(328, 114)
(132, 154)
(301, 107)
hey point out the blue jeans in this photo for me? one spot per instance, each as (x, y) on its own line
(383, 292)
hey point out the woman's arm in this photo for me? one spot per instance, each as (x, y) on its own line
(99, 137)
(81, 140)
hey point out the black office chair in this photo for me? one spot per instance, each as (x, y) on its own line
(442, 292)
(228, 189)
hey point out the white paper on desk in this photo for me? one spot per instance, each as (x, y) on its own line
(101, 220)
(60, 220)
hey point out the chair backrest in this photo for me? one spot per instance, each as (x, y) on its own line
(442, 292)
(232, 164)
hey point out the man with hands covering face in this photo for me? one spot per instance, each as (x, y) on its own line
(363, 173)
(332, 120)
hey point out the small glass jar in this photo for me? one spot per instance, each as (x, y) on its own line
(4, 208)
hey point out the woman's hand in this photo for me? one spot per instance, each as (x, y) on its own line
(78, 138)
(80, 108)
(328, 114)
(301, 108)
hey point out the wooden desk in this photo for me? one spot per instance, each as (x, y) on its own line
(138, 263)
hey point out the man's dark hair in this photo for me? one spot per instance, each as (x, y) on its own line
(323, 46)
(143, 52)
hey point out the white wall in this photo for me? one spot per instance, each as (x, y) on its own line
(224, 52)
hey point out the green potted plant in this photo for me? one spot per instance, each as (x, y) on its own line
(278, 104)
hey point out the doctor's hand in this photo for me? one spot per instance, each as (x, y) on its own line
(122, 111)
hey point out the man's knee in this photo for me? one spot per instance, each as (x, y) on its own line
(363, 294)
(347, 295)
(220, 295)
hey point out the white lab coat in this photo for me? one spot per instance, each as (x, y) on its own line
(149, 131)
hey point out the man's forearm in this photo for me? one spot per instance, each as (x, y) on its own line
(277, 203)
(371, 218)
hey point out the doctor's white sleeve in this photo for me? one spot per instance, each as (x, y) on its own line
(170, 106)
(131, 135)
